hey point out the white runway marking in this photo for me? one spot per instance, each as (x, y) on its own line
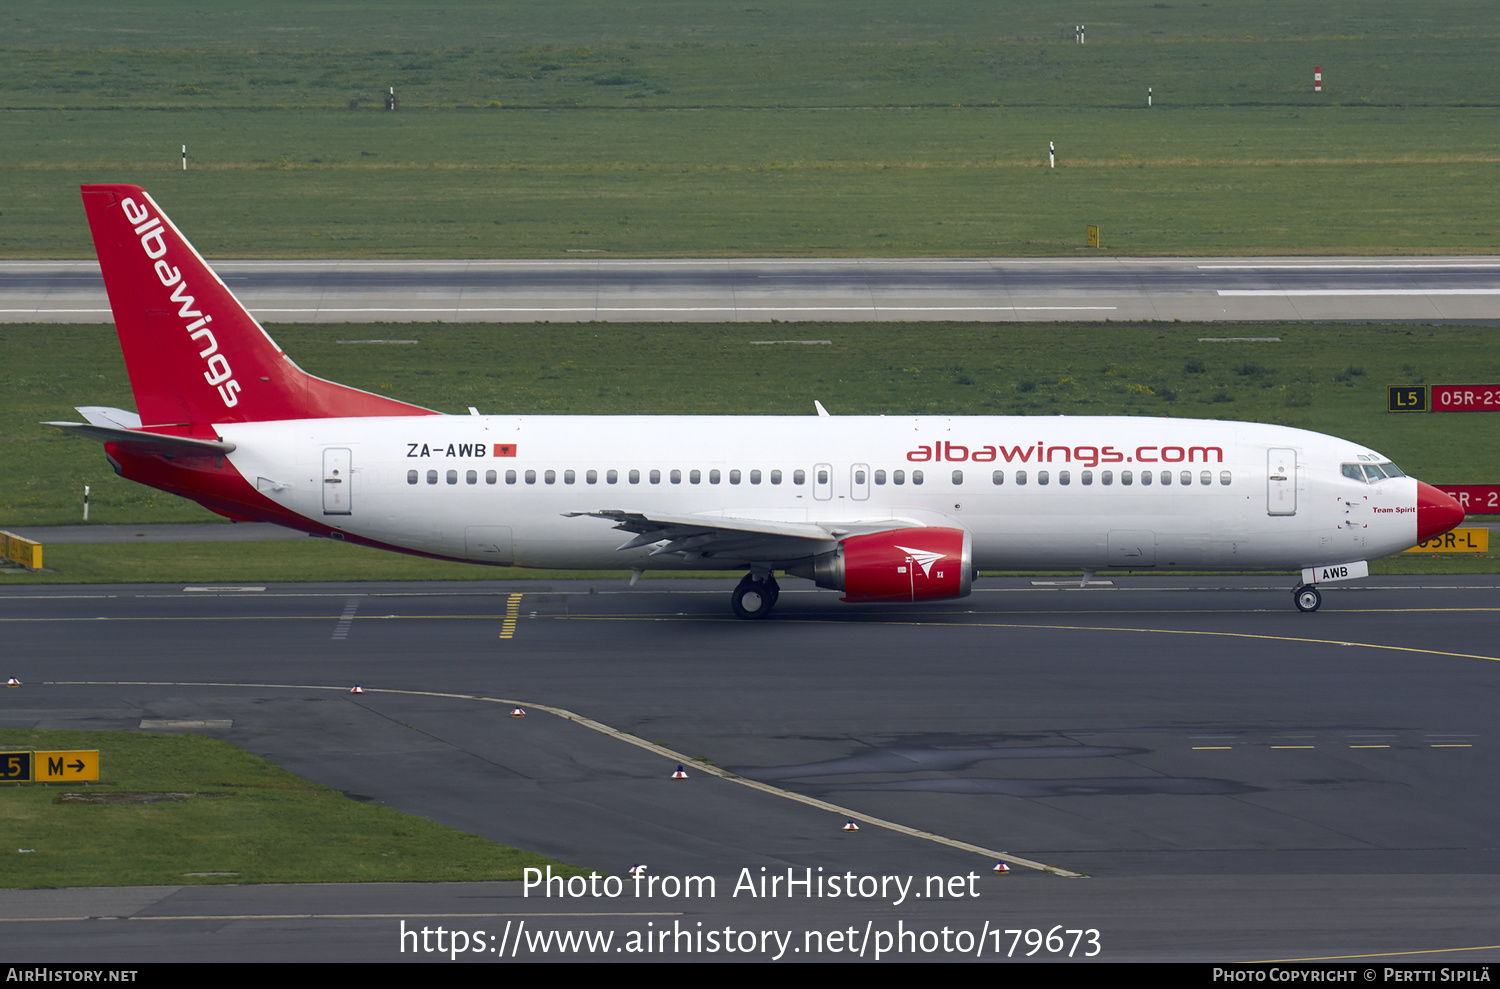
(1356, 291)
(1317, 266)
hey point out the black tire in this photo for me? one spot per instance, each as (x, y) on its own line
(1307, 598)
(753, 599)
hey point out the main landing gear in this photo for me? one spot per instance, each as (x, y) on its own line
(1307, 597)
(755, 595)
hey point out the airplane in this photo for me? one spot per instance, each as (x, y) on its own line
(882, 508)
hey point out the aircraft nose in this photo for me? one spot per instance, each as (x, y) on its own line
(1436, 512)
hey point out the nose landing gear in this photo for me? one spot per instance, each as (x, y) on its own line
(1307, 597)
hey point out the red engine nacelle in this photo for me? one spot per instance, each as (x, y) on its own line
(926, 564)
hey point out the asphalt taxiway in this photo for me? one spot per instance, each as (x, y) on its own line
(1428, 289)
(1236, 781)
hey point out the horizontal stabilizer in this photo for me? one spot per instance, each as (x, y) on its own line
(171, 446)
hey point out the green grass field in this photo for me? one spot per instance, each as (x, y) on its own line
(242, 820)
(841, 128)
(776, 53)
(1330, 378)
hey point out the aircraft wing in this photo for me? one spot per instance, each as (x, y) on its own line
(734, 537)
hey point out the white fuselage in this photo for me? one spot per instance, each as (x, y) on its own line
(1063, 492)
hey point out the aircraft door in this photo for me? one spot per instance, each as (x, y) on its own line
(338, 494)
(823, 482)
(859, 482)
(1281, 481)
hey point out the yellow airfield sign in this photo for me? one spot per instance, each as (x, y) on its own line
(65, 767)
(1462, 540)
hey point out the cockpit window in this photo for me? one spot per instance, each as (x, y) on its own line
(1371, 473)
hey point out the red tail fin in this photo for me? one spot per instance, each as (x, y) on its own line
(193, 353)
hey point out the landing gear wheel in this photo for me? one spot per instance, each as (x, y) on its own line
(754, 598)
(1307, 598)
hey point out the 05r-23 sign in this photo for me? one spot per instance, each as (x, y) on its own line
(1474, 499)
(1466, 398)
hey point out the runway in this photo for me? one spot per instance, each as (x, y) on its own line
(1459, 289)
(1238, 781)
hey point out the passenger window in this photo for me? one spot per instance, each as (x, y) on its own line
(799, 477)
(432, 477)
(713, 476)
(531, 477)
(592, 477)
(1185, 478)
(1020, 477)
(775, 477)
(1145, 478)
(898, 477)
(859, 477)
(1106, 477)
(550, 477)
(1223, 477)
(510, 477)
(958, 477)
(695, 477)
(612, 476)
(472, 477)
(1166, 477)
(1125, 477)
(879, 477)
(1087, 478)
(916, 477)
(1206, 477)
(411, 477)
(489, 477)
(997, 477)
(569, 477)
(734, 477)
(635, 477)
(1063, 477)
(755, 477)
(656, 477)
(453, 477)
(676, 476)
(1043, 477)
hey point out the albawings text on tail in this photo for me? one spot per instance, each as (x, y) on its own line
(150, 230)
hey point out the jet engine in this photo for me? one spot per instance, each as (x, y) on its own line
(925, 564)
